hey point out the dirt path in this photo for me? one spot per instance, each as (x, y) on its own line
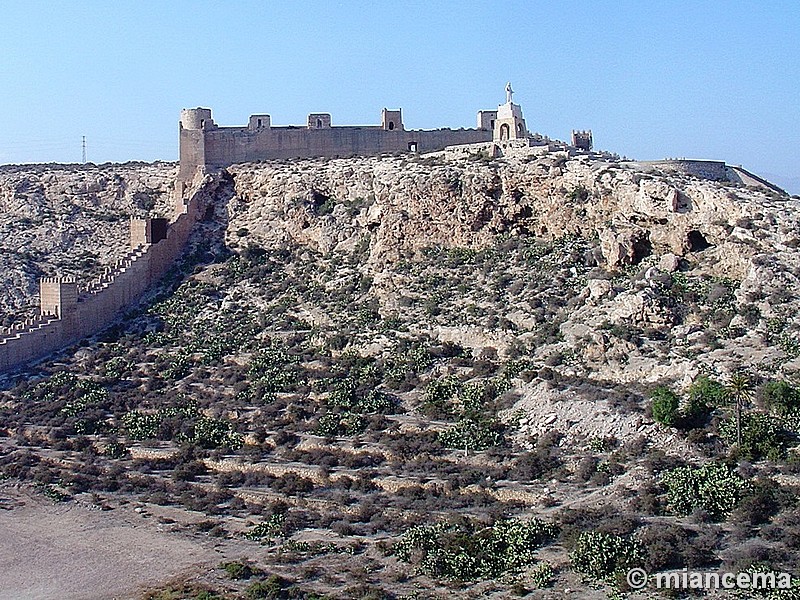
(72, 552)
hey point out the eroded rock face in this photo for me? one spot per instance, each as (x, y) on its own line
(392, 208)
(404, 205)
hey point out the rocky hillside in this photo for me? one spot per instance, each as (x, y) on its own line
(650, 236)
(428, 376)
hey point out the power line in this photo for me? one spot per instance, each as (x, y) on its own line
(83, 156)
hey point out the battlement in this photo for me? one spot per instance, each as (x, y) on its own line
(71, 310)
(582, 140)
(64, 279)
(204, 144)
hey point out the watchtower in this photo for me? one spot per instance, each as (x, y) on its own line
(196, 119)
(148, 231)
(582, 139)
(58, 297)
(391, 120)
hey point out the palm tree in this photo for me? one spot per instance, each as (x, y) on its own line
(739, 391)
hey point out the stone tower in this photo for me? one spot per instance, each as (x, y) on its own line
(509, 124)
(58, 297)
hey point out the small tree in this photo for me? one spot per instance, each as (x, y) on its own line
(704, 394)
(739, 392)
(780, 397)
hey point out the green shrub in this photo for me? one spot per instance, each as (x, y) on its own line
(270, 589)
(343, 393)
(474, 396)
(704, 395)
(472, 433)
(762, 436)
(714, 488)
(438, 394)
(141, 426)
(377, 401)
(463, 553)
(665, 406)
(347, 423)
(115, 450)
(183, 424)
(272, 527)
(780, 397)
(237, 570)
(215, 433)
(600, 555)
(542, 575)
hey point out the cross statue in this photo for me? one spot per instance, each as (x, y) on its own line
(509, 92)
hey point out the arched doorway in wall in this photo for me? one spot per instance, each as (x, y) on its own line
(319, 123)
(391, 125)
(519, 130)
(505, 131)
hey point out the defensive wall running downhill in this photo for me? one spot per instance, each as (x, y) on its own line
(742, 175)
(71, 311)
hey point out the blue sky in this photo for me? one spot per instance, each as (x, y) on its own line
(701, 79)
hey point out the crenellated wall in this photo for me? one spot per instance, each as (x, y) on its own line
(225, 146)
(71, 311)
(204, 144)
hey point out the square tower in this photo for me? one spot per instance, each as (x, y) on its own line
(582, 139)
(259, 122)
(319, 121)
(486, 119)
(391, 120)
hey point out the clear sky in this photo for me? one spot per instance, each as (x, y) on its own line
(652, 79)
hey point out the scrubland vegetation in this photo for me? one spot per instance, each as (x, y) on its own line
(315, 419)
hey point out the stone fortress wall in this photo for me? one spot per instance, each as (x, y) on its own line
(714, 170)
(203, 143)
(71, 311)
(706, 169)
(218, 147)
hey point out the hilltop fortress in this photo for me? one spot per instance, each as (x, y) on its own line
(71, 310)
(203, 143)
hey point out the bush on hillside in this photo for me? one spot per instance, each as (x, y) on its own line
(714, 488)
(665, 405)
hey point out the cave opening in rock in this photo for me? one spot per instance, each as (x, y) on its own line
(642, 248)
(697, 241)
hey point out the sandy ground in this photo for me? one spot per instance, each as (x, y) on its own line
(70, 551)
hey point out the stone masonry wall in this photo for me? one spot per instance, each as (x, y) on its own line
(713, 170)
(224, 146)
(103, 301)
